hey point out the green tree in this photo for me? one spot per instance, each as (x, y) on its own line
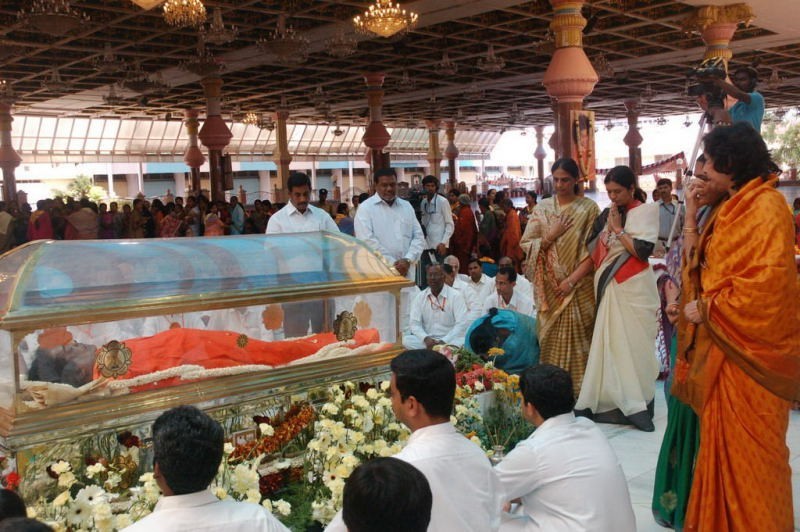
(82, 187)
(787, 146)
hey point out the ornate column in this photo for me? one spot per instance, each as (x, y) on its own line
(214, 135)
(434, 153)
(282, 157)
(9, 158)
(569, 77)
(540, 154)
(376, 137)
(717, 24)
(633, 139)
(193, 156)
(451, 152)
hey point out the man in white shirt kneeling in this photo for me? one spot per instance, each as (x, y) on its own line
(565, 474)
(506, 295)
(438, 314)
(187, 451)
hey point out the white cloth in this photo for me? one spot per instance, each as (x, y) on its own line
(569, 480)
(203, 512)
(437, 219)
(392, 230)
(483, 288)
(466, 494)
(445, 317)
(519, 301)
(474, 304)
(290, 220)
(524, 286)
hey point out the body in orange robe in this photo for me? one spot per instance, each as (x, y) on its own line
(464, 236)
(509, 241)
(740, 368)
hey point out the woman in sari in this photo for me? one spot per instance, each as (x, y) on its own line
(555, 244)
(462, 243)
(619, 384)
(738, 363)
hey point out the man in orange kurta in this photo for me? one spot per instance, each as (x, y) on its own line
(739, 368)
(512, 233)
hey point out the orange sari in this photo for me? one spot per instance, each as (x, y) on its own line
(740, 367)
(509, 241)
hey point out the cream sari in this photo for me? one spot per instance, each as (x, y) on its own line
(565, 324)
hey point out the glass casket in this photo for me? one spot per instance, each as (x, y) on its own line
(97, 335)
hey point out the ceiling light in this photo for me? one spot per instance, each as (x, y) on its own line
(217, 33)
(491, 63)
(446, 67)
(112, 98)
(108, 63)
(184, 13)
(251, 118)
(406, 84)
(385, 19)
(341, 45)
(54, 83)
(288, 46)
(54, 17)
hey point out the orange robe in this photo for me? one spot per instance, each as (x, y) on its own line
(509, 242)
(740, 367)
(462, 243)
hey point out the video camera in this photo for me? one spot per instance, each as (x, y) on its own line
(709, 69)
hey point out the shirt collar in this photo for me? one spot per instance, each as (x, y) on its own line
(291, 210)
(555, 421)
(190, 500)
(432, 430)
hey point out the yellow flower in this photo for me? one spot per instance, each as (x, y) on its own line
(496, 351)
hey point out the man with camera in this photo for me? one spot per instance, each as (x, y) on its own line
(750, 103)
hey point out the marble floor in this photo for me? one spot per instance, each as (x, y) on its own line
(638, 452)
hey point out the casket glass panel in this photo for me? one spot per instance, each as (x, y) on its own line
(86, 278)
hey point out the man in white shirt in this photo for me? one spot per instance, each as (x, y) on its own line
(668, 209)
(523, 284)
(480, 283)
(474, 305)
(388, 224)
(437, 221)
(439, 314)
(453, 261)
(299, 216)
(187, 451)
(466, 494)
(506, 296)
(565, 474)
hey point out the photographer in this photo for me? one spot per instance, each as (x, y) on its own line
(750, 105)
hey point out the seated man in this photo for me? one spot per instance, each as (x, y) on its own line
(438, 314)
(453, 261)
(480, 283)
(466, 495)
(566, 473)
(187, 451)
(523, 284)
(386, 495)
(451, 279)
(506, 295)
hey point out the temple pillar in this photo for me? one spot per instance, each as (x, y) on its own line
(434, 156)
(9, 158)
(376, 137)
(451, 152)
(540, 153)
(282, 157)
(214, 135)
(193, 156)
(716, 25)
(569, 78)
(633, 139)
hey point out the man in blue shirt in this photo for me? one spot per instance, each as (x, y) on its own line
(750, 105)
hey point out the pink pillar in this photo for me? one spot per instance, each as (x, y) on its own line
(215, 135)
(633, 139)
(193, 157)
(434, 153)
(282, 157)
(451, 152)
(376, 137)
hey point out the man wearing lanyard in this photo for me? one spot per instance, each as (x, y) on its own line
(668, 209)
(439, 314)
(437, 222)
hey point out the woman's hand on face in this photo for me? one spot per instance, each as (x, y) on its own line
(691, 312)
(560, 225)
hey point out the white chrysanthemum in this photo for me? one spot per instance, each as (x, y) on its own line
(350, 461)
(122, 521)
(266, 429)
(372, 394)
(113, 480)
(228, 448)
(103, 517)
(66, 479)
(385, 402)
(60, 467)
(62, 499)
(356, 437)
(453, 420)
(253, 495)
(498, 386)
(243, 478)
(330, 409)
(266, 503)
(282, 507)
(220, 493)
(95, 469)
(147, 477)
(476, 440)
(386, 451)
(479, 387)
(90, 495)
(385, 385)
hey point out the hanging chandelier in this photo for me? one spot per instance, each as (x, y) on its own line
(184, 13)
(446, 67)
(143, 82)
(112, 98)
(406, 84)
(217, 33)
(204, 64)
(54, 83)
(54, 17)
(288, 46)
(648, 93)
(602, 66)
(251, 118)
(341, 45)
(385, 19)
(491, 63)
(108, 63)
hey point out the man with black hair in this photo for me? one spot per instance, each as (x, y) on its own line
(187, 451)
(506, 295)
(389, 225)
(438, 315)
(298, 216)
(437, 220)
(386, 495)
(750, 103)
(466, 495)
(481, 284)
(566, 474)
(324, 204)
(668, 209)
